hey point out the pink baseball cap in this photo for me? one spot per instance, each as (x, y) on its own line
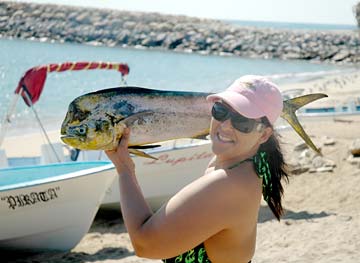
(253, 97)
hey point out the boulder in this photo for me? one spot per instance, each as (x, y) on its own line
(355, 148)
(324, 169)
(354, 160)
(299, 169)
(341, 55)
(327, 141)
(318, 162)
(300, 146)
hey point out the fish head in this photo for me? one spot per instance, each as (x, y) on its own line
(87, 130)
(89, 135)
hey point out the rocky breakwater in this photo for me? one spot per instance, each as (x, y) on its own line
(180, 33)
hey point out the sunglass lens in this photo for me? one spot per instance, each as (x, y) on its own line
(220, 112)
(242, 124)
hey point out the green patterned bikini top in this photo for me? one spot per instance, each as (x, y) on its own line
(195, 255)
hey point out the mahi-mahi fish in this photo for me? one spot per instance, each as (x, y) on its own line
(96, 121)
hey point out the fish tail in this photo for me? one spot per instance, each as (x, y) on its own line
(288, 113)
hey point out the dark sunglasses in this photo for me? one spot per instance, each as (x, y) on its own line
(221, 113)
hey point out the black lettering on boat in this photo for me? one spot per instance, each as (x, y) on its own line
(27, 199)
(34, 197)
(22, 200)
(19, 201)
(11, 201)
(43, 196)
(52, 193)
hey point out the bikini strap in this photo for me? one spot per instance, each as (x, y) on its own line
(238, 163)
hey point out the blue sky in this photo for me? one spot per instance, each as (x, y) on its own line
(299, 11)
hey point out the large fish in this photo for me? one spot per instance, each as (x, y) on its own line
(95, 121)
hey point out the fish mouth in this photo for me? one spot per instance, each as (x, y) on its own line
(82, 142)
(74, 141)
(67, 136)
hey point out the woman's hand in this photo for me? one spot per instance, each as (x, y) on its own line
(121, 157)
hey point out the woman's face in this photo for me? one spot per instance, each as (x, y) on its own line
(230, 143)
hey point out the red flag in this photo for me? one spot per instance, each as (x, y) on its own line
(32, 84)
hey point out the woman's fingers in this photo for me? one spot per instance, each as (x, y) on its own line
(124, 139)
(123, 144)
(121, 157)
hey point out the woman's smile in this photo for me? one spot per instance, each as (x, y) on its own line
(224, 138)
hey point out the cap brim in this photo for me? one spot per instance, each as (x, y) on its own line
(239, 103)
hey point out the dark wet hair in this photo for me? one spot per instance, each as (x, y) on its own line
(278, 171)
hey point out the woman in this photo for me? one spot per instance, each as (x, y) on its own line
(214, 218)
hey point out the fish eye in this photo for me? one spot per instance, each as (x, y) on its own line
(82, 130)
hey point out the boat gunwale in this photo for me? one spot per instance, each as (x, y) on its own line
(107, 165)
(103, 166)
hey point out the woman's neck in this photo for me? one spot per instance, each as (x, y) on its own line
(225, 163)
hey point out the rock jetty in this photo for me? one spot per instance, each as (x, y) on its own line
(179, 33)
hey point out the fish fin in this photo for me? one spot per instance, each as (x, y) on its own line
(141, 154)
(113, 118)
(298, 102)
(136, 116)
(151, 146)
(288, 113)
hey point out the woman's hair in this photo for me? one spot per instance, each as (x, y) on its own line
(278, 171)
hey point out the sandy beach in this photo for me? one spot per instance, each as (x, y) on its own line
(321, 223)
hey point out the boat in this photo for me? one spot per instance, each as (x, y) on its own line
(179, 163)
(50, 207)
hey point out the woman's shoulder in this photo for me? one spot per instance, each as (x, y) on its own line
(244, 173)
(239, 182)
(238, 191)
(245, 179)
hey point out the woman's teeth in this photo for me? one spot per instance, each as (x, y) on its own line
(223, 138)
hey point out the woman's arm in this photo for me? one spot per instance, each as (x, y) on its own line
(200, 210)
(134, 207)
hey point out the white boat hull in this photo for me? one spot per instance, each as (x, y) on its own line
(52, 214)
(160, 179)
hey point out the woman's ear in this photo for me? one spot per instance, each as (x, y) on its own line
(266, 133)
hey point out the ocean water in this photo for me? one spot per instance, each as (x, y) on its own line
(155, 69)
(291, 26)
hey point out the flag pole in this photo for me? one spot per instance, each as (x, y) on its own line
(26, 93)
(7, 119)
